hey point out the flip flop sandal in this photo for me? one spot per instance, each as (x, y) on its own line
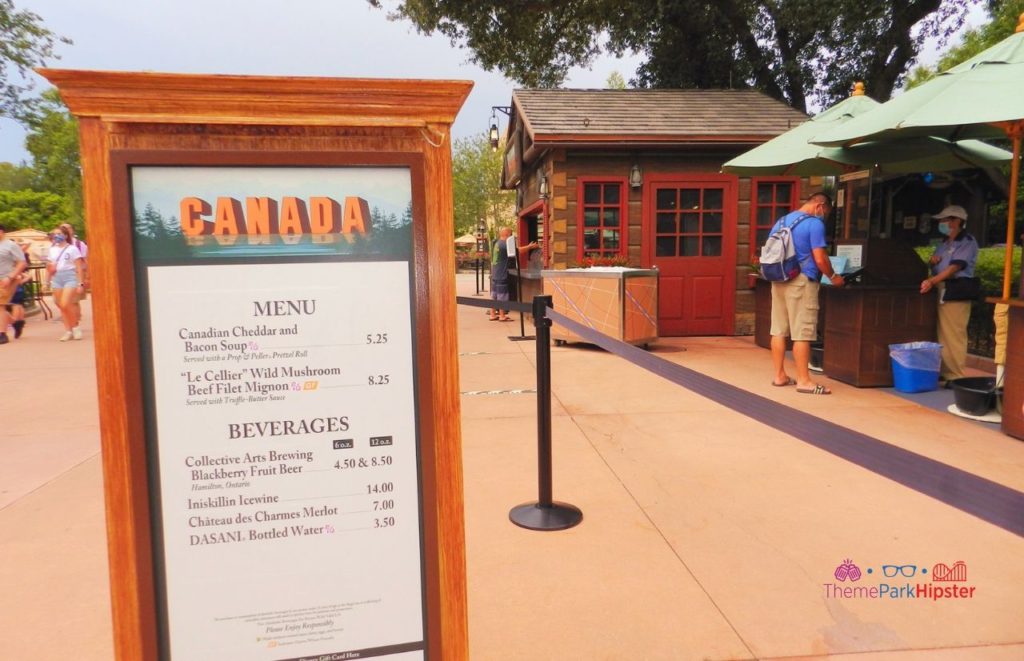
(790, 381)
(816, 390)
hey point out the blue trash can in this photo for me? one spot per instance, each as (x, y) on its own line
(915, 366)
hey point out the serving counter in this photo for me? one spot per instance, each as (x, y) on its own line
(619, 302)
(861, 321)
(880, 305)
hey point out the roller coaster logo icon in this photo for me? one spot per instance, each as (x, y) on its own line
(943, 572)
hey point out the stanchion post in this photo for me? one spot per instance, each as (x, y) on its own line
(522, 315)
(545, 514)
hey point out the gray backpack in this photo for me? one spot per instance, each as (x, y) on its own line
(778, 261)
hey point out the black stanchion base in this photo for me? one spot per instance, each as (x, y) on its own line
(534, 516)
(522, 338)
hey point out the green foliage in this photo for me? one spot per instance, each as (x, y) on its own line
(15, 177)
(52, 141)
(24, 209)
(615, 81)
(476, 178)
(989, 269)
(1003, 23)
(793, 50)
(24, 43)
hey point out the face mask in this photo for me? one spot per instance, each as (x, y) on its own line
(944, 229)
(59, 238)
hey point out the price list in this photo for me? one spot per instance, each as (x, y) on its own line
(284, 410)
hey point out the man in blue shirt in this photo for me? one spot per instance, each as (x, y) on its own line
(795, 302)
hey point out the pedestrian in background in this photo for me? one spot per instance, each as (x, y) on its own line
(12, 265)
(67, 273)
(16, 308)
(500, 284)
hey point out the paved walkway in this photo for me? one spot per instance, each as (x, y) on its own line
(706, 535)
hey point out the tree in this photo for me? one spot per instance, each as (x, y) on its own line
(476, 178)
(794, 50)
(15, 177)
(1005, 17)
(615, 81)
(24, 43)
(52, 141)
(23, 209)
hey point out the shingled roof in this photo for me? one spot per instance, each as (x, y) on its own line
(652, 116)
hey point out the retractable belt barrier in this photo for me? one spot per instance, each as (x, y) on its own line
(490, 304)
(987, 500)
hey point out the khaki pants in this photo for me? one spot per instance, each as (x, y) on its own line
(1002, 323)
(953, 317)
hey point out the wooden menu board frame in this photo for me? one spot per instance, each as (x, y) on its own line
(129, 119)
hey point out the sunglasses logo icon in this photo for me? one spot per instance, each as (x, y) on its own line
(847, 570)
(907, 571)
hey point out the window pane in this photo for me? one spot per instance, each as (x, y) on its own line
(712, 223)
(691, 223)
(666, 198)
(610, 239)
(764, 216)
(591, 241)
(762, 236)
(783, 193)
(611, 217)
(764, 193)
(712, 198)
(592, 193)
(689, 198)
(611, 193)
(712, 246)
(666, 246)
(667, 223)
(691, 246)
(591, 217)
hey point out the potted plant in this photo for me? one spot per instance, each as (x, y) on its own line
(755, 272)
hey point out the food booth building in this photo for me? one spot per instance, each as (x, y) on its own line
(633, 176)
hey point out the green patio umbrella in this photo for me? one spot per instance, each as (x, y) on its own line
(792, 153)
(982, 97)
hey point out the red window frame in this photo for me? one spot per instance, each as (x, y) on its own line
(680, 233)
(777, 208)
(622, 205)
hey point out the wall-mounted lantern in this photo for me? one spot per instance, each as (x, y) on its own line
(542, 187)
(636, 177)
(492, 132)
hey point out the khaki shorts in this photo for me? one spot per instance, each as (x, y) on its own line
(6, 293)
(795, 309)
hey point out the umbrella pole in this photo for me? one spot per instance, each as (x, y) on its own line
(1012, 212)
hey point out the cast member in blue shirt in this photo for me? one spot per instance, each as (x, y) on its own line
(955, 257)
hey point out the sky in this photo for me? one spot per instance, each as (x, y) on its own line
(342, 38)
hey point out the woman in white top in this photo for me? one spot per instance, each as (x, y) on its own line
(66, 269)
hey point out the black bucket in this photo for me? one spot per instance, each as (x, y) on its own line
(817, 361)
(975, 395)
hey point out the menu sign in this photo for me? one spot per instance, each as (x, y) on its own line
(283, 421)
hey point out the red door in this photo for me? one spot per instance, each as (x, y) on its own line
(689, 234)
